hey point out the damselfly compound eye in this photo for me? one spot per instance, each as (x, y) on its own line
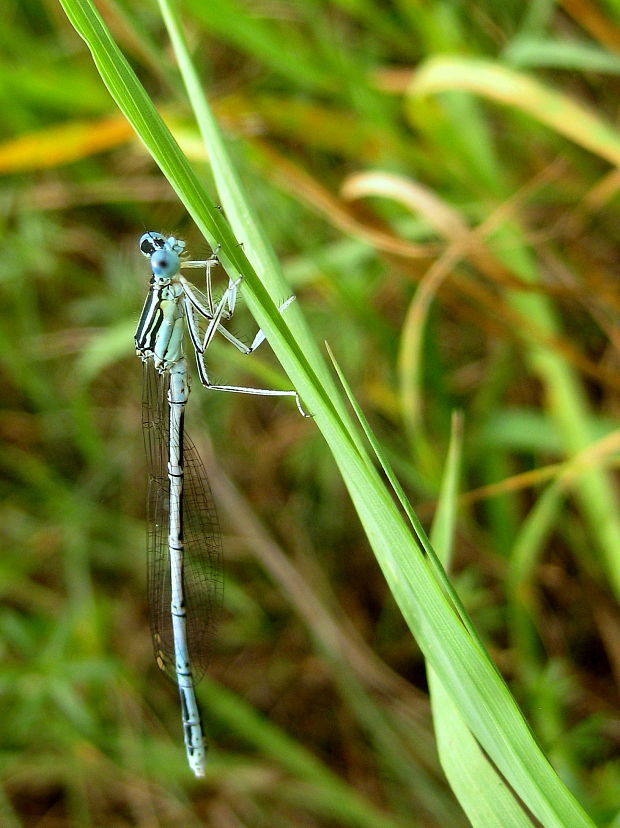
(150, 242)
(165, 262)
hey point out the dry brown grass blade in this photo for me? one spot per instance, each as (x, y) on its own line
(296, 181)
(600, 26)
(56, 145)
(599, 453)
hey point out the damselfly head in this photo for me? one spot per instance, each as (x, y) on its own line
(163, 252)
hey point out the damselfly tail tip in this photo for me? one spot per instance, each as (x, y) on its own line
(197, 764)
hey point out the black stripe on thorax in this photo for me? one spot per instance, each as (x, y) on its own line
(150, 320)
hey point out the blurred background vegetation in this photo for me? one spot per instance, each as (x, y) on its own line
(439, 179)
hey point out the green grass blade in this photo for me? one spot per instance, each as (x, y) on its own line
(237, 206)
(482, 793)
(507, 86)
(421, 535)
(534, 52)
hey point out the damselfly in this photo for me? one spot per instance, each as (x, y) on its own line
(183, 538)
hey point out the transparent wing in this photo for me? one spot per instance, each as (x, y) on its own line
(202, 571)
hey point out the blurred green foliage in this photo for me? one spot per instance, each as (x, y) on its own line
(476, 270)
